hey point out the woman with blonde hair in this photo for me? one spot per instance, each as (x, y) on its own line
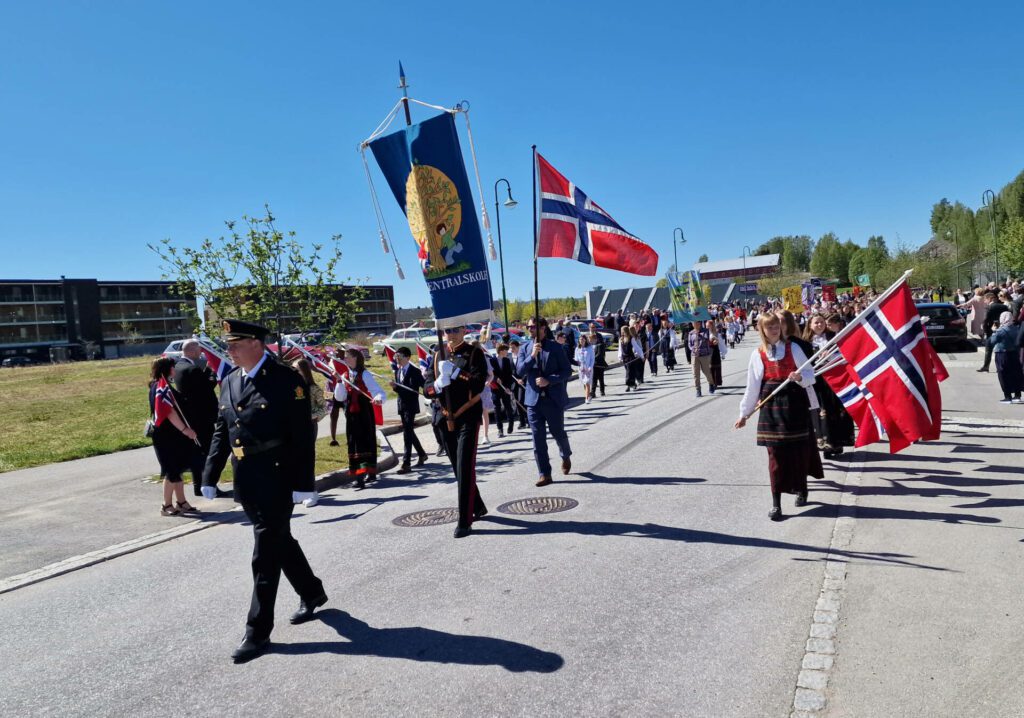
(783, 425)
(978, 307)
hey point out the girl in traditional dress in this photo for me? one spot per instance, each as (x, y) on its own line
(585, 359)
(782, 426)
(627, 354)
(832, 424)
(360, 428)
(669, 343)
(717, 345)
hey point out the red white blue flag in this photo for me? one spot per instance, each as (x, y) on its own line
(163, 403)
(573, 226)
(219, 365)
(892, 359)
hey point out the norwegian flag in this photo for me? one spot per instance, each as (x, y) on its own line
(221, 366)
(573, 226)
(855, 401)
(423, 358)
(389, 354)
(163, 403)
(893, 361)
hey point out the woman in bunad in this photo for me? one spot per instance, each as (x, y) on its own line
(669, 342)
(791, 333)
(833, 425)
(715, 339)
(628, 355)
(360, 427)
(784, 422)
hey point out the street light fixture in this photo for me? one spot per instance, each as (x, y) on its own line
(509, 203)
(675, 243)
(988, 199)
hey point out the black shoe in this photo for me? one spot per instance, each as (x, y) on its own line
(360, 484)
(501, 434)
(713, 387)
(509, 429)
(307, 608)
(334, 442)
(983, 369)
(566, 465)
(405, 469)
(699, 395)
(775, 514)
(522, 426)
(801, 499)
(440, 452)
(461, 531)
(197, 489)
(223, 494)
(250, 648)
(422, 461)
(479, 514)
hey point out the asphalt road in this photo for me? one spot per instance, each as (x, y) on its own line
(666, 591)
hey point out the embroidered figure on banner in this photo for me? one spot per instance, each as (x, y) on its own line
(434, 210)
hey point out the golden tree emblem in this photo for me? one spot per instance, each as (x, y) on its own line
(434, 211)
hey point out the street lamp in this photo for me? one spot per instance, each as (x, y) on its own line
(988, 199)
(510, 203)
(746, 251)
(956, 245)
(675, 243)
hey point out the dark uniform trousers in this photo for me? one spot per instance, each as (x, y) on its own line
(461, 445)
(503, 411)
(408, 420)
(519, 392)
(275, 550)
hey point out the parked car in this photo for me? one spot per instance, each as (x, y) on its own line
(173, 350)
(16, 361)
(942, 323)
(586, 325)
(407, 338)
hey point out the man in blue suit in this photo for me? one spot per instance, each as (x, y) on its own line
(545, 369)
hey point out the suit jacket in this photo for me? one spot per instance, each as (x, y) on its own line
(408, 402)
(504, 371)
(553, 366)
(195, 385)
(273, 406)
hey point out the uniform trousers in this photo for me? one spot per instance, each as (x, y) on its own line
(547, 416)
(275, 550)
(461, 445)
(408, 420)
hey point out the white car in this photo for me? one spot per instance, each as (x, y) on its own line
(407, 338)
(173, 350)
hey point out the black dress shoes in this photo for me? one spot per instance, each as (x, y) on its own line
(801, 499)
(479, 514)
(566, 466)
(307, 609)
(250, 648)
(440, 451)
(404, 469)
(422, 461)
(775, 514)
(223, 494)
(461, 531)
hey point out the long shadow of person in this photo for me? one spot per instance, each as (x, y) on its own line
(414, 643)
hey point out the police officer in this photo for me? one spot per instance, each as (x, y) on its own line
(457, 383)
(263, 423)
(544, 366)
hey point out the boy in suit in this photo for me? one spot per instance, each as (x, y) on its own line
(409, 376)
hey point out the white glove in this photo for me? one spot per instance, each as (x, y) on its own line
(299, 497)
(209, 492)
(448, 372)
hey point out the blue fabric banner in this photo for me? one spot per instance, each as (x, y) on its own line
(423, 166)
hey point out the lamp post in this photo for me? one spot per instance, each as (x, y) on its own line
(988, 199)
(956, 245)
(746, 251)
(675, 243)
(510, 203)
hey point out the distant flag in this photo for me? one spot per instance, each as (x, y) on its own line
(573, 226)
(219, 364)
(389, 353)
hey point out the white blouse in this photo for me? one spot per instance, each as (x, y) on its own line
(372, 388)
(755, 375)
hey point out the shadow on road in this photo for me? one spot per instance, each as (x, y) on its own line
(590, 477)
(519, 527)
(424, 644)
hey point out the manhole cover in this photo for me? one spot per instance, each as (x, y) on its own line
(430, 517)
(538, 505)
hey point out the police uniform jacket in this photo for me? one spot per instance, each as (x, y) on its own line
(470, 381)
(263, 425)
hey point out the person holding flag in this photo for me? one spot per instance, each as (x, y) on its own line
(174, 441)
(195, 384)
(360, 393)
(784, 421)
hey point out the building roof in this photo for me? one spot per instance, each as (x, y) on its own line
(764, 261)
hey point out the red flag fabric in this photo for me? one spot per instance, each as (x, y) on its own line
(421, 353)
(378, 415)
(573, 226)
(891, 358)
(389, 353)
(163, 405)
(854, 399)
(218, 364)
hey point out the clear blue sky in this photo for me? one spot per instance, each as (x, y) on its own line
(124, 123)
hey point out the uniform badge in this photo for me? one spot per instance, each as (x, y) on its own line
(300, 393)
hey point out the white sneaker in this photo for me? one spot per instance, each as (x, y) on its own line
(308, 503)
(485, 441)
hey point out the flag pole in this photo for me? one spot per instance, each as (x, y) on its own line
(536, 247)
(826, 350)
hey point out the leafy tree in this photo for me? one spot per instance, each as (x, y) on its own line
(261, 274)
(1011, 246)
(772, 285)
(702, 258)
(661, 283)
(825, 256)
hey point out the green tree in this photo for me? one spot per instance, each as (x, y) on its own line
(772, 285)
(262, 274)
(702, 258)
(663, 282)
(1011, 246)
(825, 256)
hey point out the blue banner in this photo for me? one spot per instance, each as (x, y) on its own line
(682, 311)
(423, 166)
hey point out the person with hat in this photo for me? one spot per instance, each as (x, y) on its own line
(263, 424)
(544, 366)
(457, 382)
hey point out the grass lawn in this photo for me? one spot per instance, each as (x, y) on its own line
(59, 412)
(328, 458)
